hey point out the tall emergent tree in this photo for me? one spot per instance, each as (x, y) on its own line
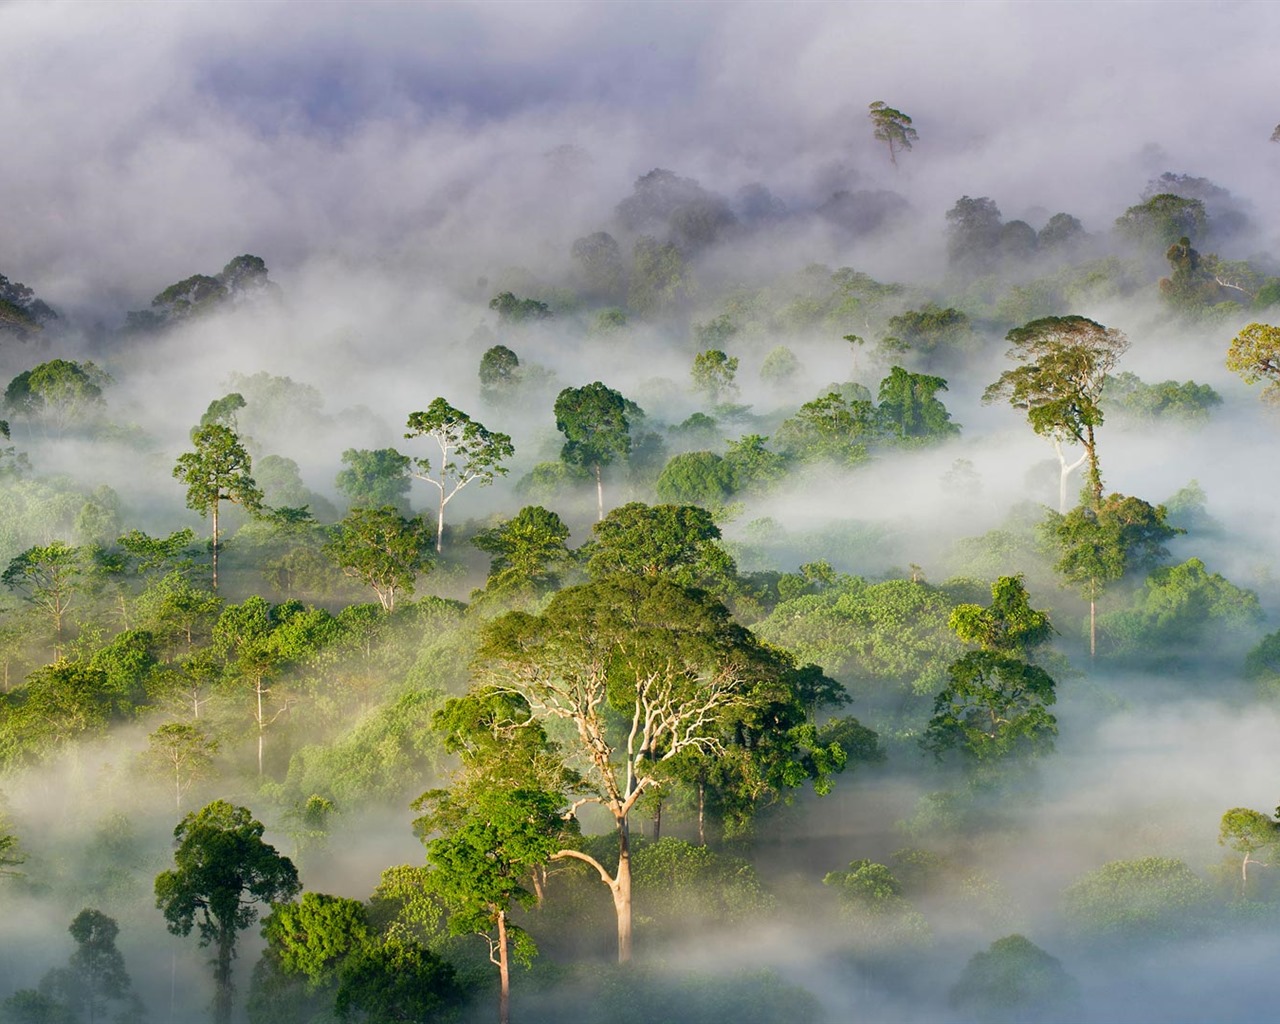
(593, 419)
(1066, 360)
(1255, 355)
(47, 577)
(491, 835)
(218, 470)
(375, 477)
(181, 748)
(892, 127)
(95, 976)
(1248, 832)
(468, 452)
(223, 873)
(1098, 545)
(382, 549)
(642, 670)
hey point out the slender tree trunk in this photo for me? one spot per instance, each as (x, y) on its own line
(440, 522)
(215, 545)
(1095, 471)
(1093, 626)
(599, 493)
(621, 888)
(702, 812)
(657, 822)
(1064, 474)
(258, 689)
(504, 972)
(222, 976)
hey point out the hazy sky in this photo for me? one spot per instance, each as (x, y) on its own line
(149, 141)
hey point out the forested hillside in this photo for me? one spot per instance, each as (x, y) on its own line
(760, 589)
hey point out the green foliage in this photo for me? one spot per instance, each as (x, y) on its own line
(396, 980)
(755, 467)
(660, 281)
(217, 470)
(245, 277)
(892, 127)
(780, 367)
(314, 936)
(1008, 626)
(674, 541)
(994, 708)
(29, 1006)
(57, 393)
(223, 410)
(866, 888)
(486, 849)
(95, 979)
(1152, 896)
(973, 236)
(1191, 286)
(223, 872)
(1182, 611)
(499, 373)
(48, 577)
(831, 428)
(1162, 220)
(934, 333)
(1255, 355)
(1066, 361)
(600, 259)
(381, 549)
(889, 637)
(684, 887)
(1015, 981)
(375, 477)
(469, 453)
(183, 749)
(1247, 831)
(511, 310)
(593, 419)
(529, 552)
(908, 411)
(1262, 664)
(1187, 403)
(382, 757)
(697, 478)
(713, 374)
(58, 703)
(1097, 546)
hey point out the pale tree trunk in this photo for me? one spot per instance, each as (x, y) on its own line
(599, 493)
(702, 812)
(621, 889)
(262, 724)
(619, 884)
(440, 522)
(504, 971)
(215, 546)
(1065, 472)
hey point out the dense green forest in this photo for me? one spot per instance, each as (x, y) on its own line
(730, 606)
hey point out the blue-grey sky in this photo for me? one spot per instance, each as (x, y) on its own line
(148, 141)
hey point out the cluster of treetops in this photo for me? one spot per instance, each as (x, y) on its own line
(639, 673)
